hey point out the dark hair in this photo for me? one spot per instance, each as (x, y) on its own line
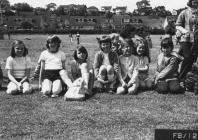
(54, 39)
(104, 39)
(81, 49)
(145, 43)
(166, 43)
(127, 31)
(14, 44)
(189, 3)
(131, 44)
(170, 28)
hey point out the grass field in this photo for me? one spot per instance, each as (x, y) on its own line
(103, 116)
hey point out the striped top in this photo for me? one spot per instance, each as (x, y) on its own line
(18, 65)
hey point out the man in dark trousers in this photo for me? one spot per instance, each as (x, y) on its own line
(78, 38)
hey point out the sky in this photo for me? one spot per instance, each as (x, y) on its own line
(131, 4)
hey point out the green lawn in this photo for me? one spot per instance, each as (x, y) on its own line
(103, 116)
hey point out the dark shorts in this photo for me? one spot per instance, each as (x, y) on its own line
(19, 79)
(51, 75)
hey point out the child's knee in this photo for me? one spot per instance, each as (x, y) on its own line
(12, 88)
(57, 87)
(12, 91)
(26, 88)
(110, 69)
(62, 72)
(46, 87)
(133, 90)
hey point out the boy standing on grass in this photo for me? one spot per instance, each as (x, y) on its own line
(71, 37)
(78, 38)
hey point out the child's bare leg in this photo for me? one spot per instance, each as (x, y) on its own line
(26, 88)
(91, 79)
(65, 77)
(46, 87)
(133, 89)
(56, 88)
(12, 88)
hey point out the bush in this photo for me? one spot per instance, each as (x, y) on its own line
(157, 31)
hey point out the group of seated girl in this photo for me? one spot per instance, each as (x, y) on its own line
(121, 66)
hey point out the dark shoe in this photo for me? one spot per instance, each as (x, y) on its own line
(100, 90)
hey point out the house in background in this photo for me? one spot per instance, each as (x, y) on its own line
(84, 22)
(92, 9)
(106, 8)
(15, 22)
(120, 10)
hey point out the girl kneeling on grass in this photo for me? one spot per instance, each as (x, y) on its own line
(129, 72)
(80, 68)
(142, 52)
(52, 62)
(167, 69)
(18, 65)
(106, 65)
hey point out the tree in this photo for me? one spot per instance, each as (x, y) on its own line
(26, 25)
(23, 7)
(160, 11)
(39, 10)
(108, 15)
(5, 5)
(143, 8)
(81, 10)
(60, 10)
(51, 6)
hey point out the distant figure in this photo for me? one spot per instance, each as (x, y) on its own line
(78, 38)
(71, 37)
(149, 41)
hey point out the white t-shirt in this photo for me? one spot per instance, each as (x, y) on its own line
(53, 61)
(18, 65)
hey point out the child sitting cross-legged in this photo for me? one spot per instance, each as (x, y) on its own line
(167, 69)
